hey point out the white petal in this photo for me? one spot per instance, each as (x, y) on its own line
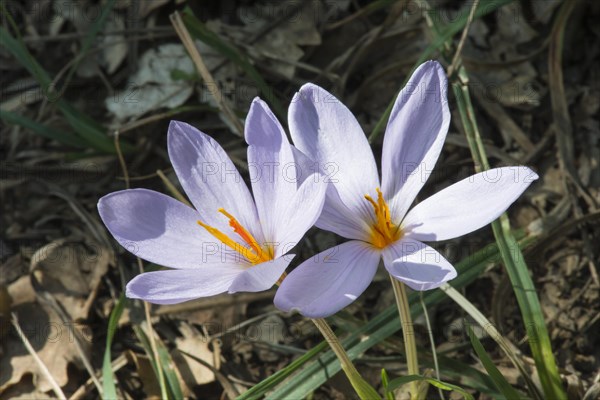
(335, 216)
(262, 276)
(271, 164)
(417, 265)
(305, 166)
(300, 214)
(414, 136)
(338, 218)
(210, 179)
(328, 281)
(467, 205)
(327, 132)
(158, 228)
(177, 286)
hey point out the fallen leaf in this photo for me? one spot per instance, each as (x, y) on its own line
(146, 374)
(192, 372)
(153, 86)
(71, 272)
(53, 342)
(113, 47)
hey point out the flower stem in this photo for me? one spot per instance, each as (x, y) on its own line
(361, 387)
(408, 333)
(432, 342)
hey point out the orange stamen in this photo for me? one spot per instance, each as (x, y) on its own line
(254, 253)
(383, 230)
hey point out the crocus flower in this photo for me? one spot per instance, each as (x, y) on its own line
(373, 213)
(228, 241)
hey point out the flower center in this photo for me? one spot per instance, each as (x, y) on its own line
(253, 252)
(383, 230)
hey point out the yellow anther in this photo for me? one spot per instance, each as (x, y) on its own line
(383, 230)
(254, 253)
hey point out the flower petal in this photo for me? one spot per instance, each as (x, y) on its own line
(305, 166)
(262, 276)
(467, 205)
(177, 286)
(210, 179)
(299, 215)
(157, 228)
(329, 281)
(338, 218)
(417, 265)
(414, 136)
(327, 132)
(272, 167)
(334, 215)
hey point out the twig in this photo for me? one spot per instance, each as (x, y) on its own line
(162, 30)
(163, 115)
(43, 369)
(230, 389)
(218, 301)
(463, 38)
(171, 188)
(84, 389)
(188, 43)
(47, 298)
(121, 159)
(150, 333)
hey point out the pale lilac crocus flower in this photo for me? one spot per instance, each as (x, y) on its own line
(376, 220)
(229, 242)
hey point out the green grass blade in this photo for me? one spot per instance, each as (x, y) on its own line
(396, 383)
(317, 371)
(156, 363)
(108, 380)
(518, 272)
(167, 365)
(257, 391)
(525, 292)
(468, 376)
(199, 31)
(164, 361)
(493, 333)
(485, 7)
(42, 130)
(385, 382)
(91, 35)
(88, 130)
(500, 381)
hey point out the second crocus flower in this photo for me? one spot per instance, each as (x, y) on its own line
(375, 214)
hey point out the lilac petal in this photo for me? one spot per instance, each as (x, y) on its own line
(329, 281)
(467, 205)
(417, 265)
(334, 215)
(338, 218)
(210, 179)
(327, 132)
(271, 164)
(299, 215)
(262, 276)
(177, 286)
(157, 228)
(305, 166)
(414, 136)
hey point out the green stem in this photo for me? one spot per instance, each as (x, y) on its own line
(362, 388)
(432, 343)
(408, 333)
